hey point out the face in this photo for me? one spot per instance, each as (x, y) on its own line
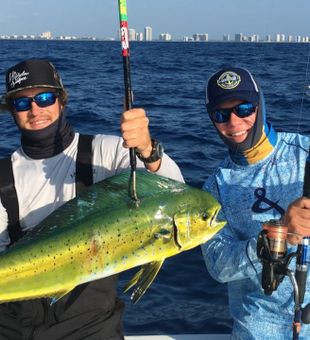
(36, 118)
(236, 129)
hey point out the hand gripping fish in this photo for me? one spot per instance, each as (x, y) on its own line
(103, 232)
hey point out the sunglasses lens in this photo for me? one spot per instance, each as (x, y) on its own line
(43, 99)
(245, 109)
(221, 116)
(22, 104)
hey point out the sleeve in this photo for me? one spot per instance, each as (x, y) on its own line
(226, 256)
(111, 158)
(169, 168)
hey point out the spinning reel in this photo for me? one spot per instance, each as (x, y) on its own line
(272, 252)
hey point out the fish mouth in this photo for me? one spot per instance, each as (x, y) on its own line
(214, 223)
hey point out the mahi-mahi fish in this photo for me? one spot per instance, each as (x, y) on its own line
(103, 232)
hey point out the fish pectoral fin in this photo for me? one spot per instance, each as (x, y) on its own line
(59, 295)
(143, 279)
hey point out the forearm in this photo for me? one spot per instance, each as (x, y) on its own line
(228, 259)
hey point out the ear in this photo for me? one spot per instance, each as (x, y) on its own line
(61, 106)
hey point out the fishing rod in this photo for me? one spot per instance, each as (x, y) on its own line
(122, 5)
(272, 251)
(301, 271)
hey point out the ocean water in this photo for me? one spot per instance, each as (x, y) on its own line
(169, 81)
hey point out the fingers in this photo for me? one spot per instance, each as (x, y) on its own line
(305, 203)
(297, 219)
(294, 238)
(135, 130)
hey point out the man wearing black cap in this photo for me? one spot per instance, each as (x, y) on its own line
(257, 182)
(52, 165)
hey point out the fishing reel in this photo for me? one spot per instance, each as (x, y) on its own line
(272, 252)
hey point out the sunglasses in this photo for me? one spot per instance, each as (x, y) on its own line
(42, 99)
(223, 115)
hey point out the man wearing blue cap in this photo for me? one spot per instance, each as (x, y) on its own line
(51, 166)
(262, 174)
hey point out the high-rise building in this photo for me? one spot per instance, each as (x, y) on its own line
(46, 35)
(268, 38)
(165, 37)
(148, 33)
(139, 36)
(226, 37)
(254, 38)
(200, 37)
(280, 37)
(132, 34)
(239, 37)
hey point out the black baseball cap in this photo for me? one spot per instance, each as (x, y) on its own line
(32, 73)
(231, 83)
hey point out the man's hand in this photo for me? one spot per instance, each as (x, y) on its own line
(136, 134)
(297, 219)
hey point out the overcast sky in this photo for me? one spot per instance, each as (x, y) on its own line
(99, 18)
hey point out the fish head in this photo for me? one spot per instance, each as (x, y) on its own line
(196, 220)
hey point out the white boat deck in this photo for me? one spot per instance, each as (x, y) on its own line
(180, 337)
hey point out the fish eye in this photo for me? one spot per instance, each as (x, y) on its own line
(204, 216)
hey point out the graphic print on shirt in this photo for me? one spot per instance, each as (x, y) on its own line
(263, 204)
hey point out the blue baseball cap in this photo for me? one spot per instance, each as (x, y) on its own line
(231, 83)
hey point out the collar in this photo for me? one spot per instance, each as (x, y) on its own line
(260, 151)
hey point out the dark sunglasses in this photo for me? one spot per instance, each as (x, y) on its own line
(42, 99)
(223, 115)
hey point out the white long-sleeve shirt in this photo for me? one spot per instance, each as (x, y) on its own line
(43, 185)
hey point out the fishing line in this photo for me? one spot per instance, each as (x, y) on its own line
(305, 91)
(257, 63)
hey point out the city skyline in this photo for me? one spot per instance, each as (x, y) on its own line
(147, 35)
(177, 17)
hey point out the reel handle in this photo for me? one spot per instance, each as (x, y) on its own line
(305, 315)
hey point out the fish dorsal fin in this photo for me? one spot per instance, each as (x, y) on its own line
(143, 279)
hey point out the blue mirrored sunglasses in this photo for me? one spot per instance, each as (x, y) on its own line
(223, 115)
(42, 99)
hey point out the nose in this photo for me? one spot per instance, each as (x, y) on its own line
(35, 109)
(234, 119)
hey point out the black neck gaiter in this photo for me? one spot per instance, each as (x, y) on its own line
(47, 142)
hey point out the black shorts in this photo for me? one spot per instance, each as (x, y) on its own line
(90, 312)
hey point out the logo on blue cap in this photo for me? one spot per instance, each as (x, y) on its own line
(228, 80)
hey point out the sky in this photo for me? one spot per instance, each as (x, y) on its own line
(99, 18)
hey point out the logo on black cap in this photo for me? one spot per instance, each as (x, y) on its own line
(228, 80)
(17, 78)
